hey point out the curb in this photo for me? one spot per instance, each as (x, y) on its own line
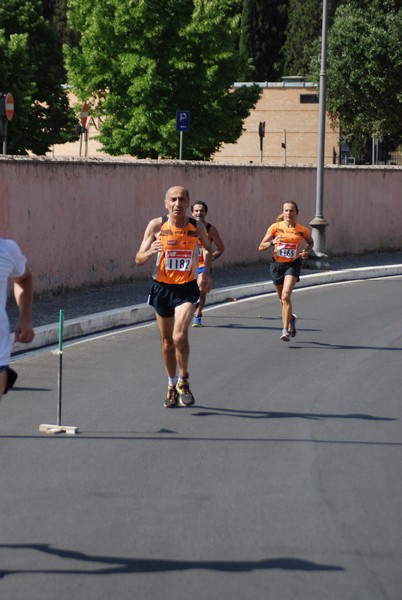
(47, 335)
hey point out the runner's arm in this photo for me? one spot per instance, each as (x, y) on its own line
(266, 241)
(217, 240)
(23, 292)
(206, 244)
(310, 243)
(205, 282)
(150, 245)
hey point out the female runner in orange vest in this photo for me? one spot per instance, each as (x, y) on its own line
(286, 235)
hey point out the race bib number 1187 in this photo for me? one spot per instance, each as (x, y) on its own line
(178, 260)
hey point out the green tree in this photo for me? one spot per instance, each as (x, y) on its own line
(365, 70)
(29, 69)
(141, 60)
(262, 37)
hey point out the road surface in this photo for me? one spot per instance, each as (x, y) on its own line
(282, 482)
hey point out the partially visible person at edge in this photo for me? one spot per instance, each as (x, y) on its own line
(199, 211)
(13, 266)
(286, 236)
(175, 291)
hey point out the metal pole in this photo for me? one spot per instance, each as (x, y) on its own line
(374, 150)
(60, 374)
(5, 123)
(80, 149)
(284, 146)
(181, 146)
(86, 141)
(319, 223)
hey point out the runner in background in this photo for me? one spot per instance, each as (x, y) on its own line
(199, 211)
(286, 236)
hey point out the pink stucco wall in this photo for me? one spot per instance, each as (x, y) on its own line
(80, 221)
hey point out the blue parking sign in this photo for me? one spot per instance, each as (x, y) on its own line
(182, 120)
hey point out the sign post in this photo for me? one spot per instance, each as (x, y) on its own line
(83, 129)
(261, 133)
(284, 146)
(59, 428)
(6, 114)
(182, 124)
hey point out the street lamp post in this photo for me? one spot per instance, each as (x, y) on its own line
(319, 224)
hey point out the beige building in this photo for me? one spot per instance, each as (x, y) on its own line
(290, 112)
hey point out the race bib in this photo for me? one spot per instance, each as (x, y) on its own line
(286, 250)
(178, 260)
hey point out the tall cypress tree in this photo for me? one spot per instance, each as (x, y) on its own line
(303, 33)
(262, 37)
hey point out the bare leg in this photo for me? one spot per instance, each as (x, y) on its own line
(279, 289)
(286, 293)
(3, 382)
(183, 316)
(201, 304)
(166, 325)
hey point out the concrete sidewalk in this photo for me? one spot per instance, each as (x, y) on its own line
(112, 306)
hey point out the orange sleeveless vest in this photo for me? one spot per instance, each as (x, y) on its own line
(177, 262)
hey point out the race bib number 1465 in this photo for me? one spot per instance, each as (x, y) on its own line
(286, 250)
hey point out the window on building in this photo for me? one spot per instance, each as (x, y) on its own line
(309, 99)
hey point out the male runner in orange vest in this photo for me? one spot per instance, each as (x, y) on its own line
(175, 292)
(199, 211)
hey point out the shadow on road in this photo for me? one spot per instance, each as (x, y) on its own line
(306, 345)
(261, 414)
(127, 565)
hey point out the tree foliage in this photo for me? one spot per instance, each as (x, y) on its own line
(30, 70)
(139, 61)
(263, 27)
(365, 69)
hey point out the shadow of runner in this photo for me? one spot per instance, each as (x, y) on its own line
(127, 565)
(260, 414)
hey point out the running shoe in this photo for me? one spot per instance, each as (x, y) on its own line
(172, 397)
(185, 396)
(285, 335)
(292, 326)
(197, 321)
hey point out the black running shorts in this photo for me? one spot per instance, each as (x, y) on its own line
(164, 297)
(279, 270)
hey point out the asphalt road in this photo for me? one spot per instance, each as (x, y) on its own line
(282, 482)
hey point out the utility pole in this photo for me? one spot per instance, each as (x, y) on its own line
(319, 224)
